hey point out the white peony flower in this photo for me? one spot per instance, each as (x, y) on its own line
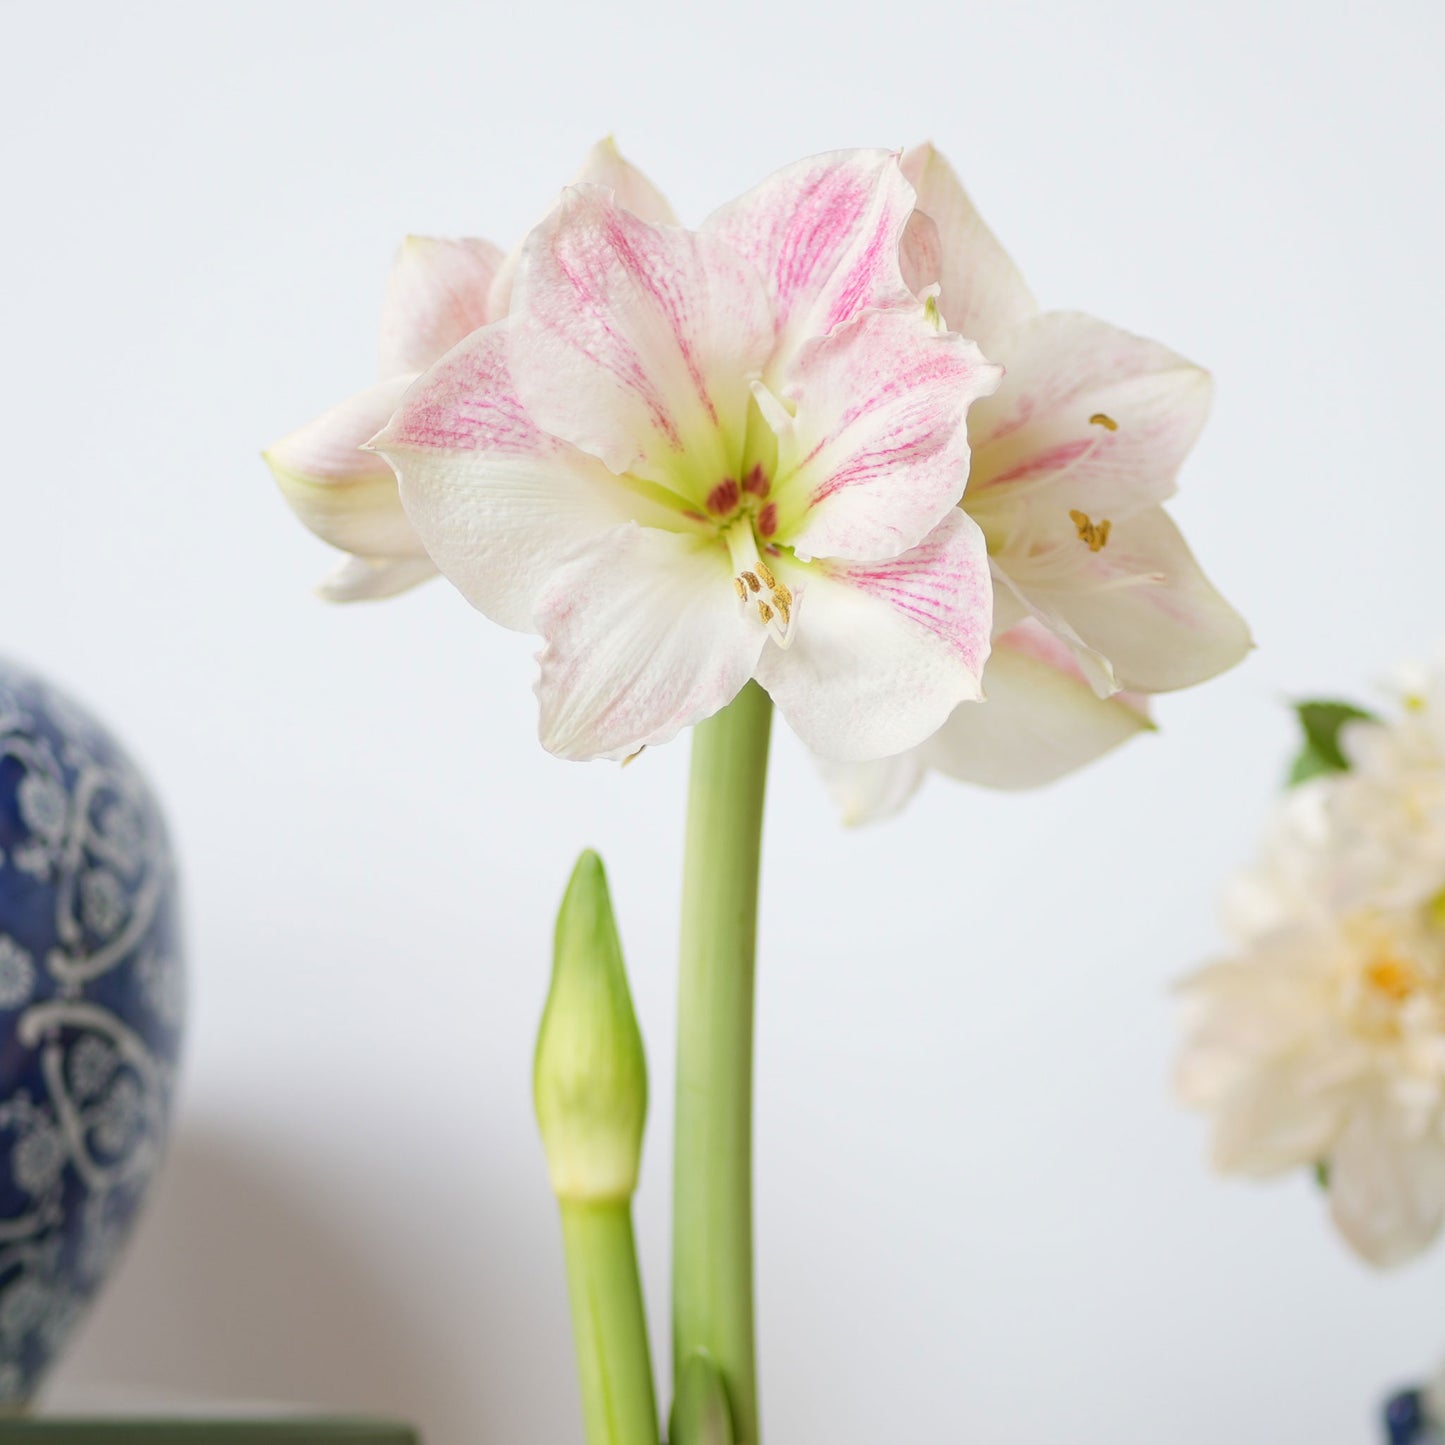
(1320, 1042)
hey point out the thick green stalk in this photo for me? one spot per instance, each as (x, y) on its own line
(712, 1248)
(608, 1323)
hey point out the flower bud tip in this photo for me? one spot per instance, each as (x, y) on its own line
(589, 1080)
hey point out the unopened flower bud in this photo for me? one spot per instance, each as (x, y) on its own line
(589, 1080)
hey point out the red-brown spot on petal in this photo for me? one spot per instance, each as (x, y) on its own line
(723, 497)
(757, 483)
(768, 520)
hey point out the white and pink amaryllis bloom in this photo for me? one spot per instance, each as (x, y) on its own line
(439, 291)
(1099, 602)
(691, 458)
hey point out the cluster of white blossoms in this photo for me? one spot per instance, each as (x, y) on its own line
(1320, 1042)
(690, 458)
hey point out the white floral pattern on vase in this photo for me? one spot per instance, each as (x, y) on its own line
(91, 1006)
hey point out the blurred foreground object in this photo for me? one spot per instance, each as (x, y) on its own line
(74, 1430)
(91, 1005)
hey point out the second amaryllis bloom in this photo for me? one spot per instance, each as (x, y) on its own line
(691, 458)
(1099, 601)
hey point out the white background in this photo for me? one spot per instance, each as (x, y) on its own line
(981, 1217)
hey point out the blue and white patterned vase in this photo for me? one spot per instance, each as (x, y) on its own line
(91, 1005)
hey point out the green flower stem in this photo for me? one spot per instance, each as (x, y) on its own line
(712, 1248)
(608, 1323)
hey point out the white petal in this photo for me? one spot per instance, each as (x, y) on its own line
(826, 235)
(636, 342)
(1387, 1190)
(878, 451)
(1142, 602)
(347, 496)
(368, 579)
(644, 637)
(869, 792)
(1038, 431)
(607, 166)
(1263, 1051)
(882, 652)
(982, 292)
(921, 256)
(1275, 1121)
(1039, 719)
(436, 295)
(497, 501)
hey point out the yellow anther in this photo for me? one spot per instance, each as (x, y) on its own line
(633, 757)
(1095, 534)
(769, 581)
(1104, 420)
(1392, 977)
(740, 589)
(765, 612)
(753, 584)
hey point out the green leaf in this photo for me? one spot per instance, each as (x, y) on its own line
(1321, 722)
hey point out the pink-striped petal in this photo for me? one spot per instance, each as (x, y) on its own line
(982, 292)
(644, 636)
(877, 452)
(882, 652)
(436, 294)
(826, 234)
(1142, 602)
(345, 495)
(605, 165)
(498, 502)
(1089, 417)
(635, 342)
(1040, 718)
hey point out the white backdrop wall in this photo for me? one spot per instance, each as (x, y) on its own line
(981, 1217)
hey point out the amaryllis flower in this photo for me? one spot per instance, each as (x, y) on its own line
(690, 458)
(1072, 456)
(439, 292)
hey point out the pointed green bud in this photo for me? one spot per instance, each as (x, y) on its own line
(589, 1080)
(700, 1413)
